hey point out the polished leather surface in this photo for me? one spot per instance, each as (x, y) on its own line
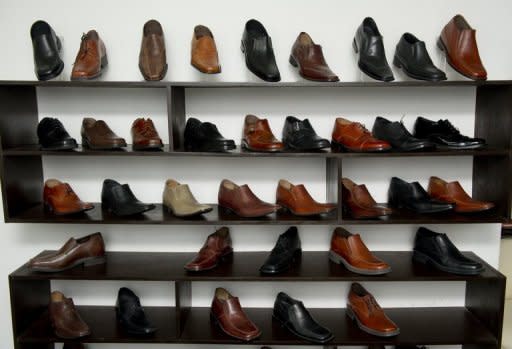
(300, 135)
(292, 314)
(242, 201)
(217, 247)
(120, 200)
(398, 136)
(204, 56)
(369, 45)
(436, 250)
(46, 47)
(180, 201)
(257, 135)
(353, 136)
(97, 135)
(412, 56)
(453, 193)
(458, 41)
(130, 314)
(413, 197)
(53, 136)
(308, 57)
(358, 202)
(445, 135)
(65, 320)
(285, 253)
(228, 314)
(204, 136)
(152, 56)
(297, 200)
(91, 58)
(60, 199)
(259, 54)
(144, 135)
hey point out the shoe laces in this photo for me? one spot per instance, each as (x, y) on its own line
(84, 50)
(148, 129)
(449, 126)
(372, 304)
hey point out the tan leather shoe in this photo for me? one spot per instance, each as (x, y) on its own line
(97, 135)
(358, 202)
(297, 200)
(258, 136)
(242, 201)
(152, 56)
(60, 199)
(180, 201)
(65, 319)
(204, 56)
(91, 58)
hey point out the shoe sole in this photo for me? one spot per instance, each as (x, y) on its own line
(87, 262)
(61, 146)
(124, 214)
(309, 214)
(336, 258)
(49, 208)
(52, 75)
(442, 47)
(169, 208)
(210, 148)
(351, 314)
(246, 146)
(338, 147)
(232, 211)
(285, 325)
(398, 63)
(86, 143)
(427, 260)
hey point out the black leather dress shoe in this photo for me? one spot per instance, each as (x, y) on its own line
(397, 135)
(46, 46)
(130, 314)
(411, 55)
(120, 200)
(369, 44)
(445, 135)
(300, 135)
(292, 315)
(259, 54)
(286, 251)
(53, 136)
(204, 136)
(437, 250)
(413, 197)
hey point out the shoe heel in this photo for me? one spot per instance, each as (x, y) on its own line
(396, 62)
(334, 257)
(337, 147)
(242, 48)
(104, 62)
(95, 261)
(419, 257)
(293, 61)
(440, 44)
(354, 45)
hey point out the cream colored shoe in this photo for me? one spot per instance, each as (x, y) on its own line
(180, 201)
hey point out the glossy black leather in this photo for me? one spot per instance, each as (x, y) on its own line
(292, 314)
(259, 54)
(120, 200)
(300, 135)
(369, 44)
(412, 56)
(53, 136)
(46, 46)
(398, 136)
(413, 197)
(286, 251)
(130, 314)
(438, 251)
(204, 136)
(445, 135)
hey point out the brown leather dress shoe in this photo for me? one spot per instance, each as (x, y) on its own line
(91, 58)
(358, 202)
(60, 199)
(309, 58)
(458, 41)
(350, 250)
(152, 56)
(258, 136)
(145, 135)
(367, 313)
(216, 247)
(89, 250)
(453, 193)
(227, 313)
(353, 136)
(97, 135)
(65, 319)
(297, 200)
(204, 56)
(242, 201)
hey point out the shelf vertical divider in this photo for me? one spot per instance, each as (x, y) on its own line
(177, 118)
(333, 184)
(183, 294)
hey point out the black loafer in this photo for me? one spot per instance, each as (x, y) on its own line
(120, 200)
(53, 136)
(445, 135)
(300, 135)
(397, 135)
(204, 136)
(46, 46)
(130, 314)
(286, 251)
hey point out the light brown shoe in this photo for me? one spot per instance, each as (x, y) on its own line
(297, 200)
(242, 201)
(180, 201)
(91, 58)
(358, 202)
(97, 135)
(152, 56)
(60, 199)
(204, 56)
(65, 319)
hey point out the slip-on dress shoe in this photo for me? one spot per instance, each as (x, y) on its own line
(349, 249)
(369, 44)
(297, 200)
(453, 193)
(299, 135)
(204, 136)
(46, 45)
(413, 197)
(217, 247)
(412, 56)
(445, 135)
(309, 59)
(258, 136)
(228, 314)
(458, 42)
(242, 201)
(145, 136)
(358, 202)
(181, 202)
(398, 136)
(152, 56)
(120, 200)
(97, 135)
(259, 54)
(131, 315)
(293, 316)
(64, 317)
(204, 56)
(367, 313)
(286, 251)
(91, 59)
(60, 199)
(53, 136)
(353, 136)
(438, 251)
(87, 251)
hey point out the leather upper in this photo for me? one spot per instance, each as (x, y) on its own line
(259, 54)
(359, 202)
(64, 317)
(120, 200)
(204, 56)
(242, 201)
(96, 133)
(216, 246)
(144, 134)
(281, 257)
(398, 136)
(444, 134)
(88, 61)
(355, 137)
(51, 133)
(46, 49)
(297, 199)
(204, 136)
(130, 313)
(61, 199)
(413, 197)
(258, 136)
(152, 56)
(180, 199)
(300, 135)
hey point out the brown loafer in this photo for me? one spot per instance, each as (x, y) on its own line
(152, 56)
(65, 319)
(353, 136)
(60, 199)
(97, 135)
(358, 202)
(216, 247)
(258, 136)
(297, 200)
(91, 59)
(204, 56)
(242, 201)
(145, 136)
